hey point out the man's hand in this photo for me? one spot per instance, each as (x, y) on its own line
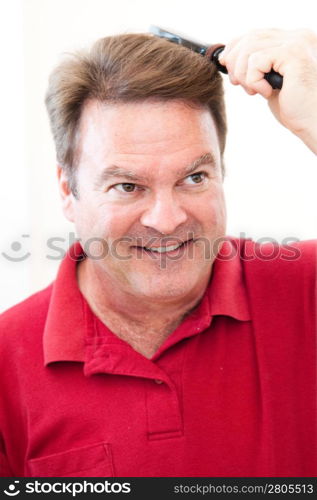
(293, 54)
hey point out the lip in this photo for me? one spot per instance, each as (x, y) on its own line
(178, 251)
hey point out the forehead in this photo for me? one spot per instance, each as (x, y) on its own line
(145, 130)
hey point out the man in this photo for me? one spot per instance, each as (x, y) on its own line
(162, 348)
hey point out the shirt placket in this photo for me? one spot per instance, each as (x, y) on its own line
(163, 409)
(162, 402)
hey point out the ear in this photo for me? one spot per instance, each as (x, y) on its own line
(68, 199)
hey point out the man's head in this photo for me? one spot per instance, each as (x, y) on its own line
(128, 68)
(140, 130)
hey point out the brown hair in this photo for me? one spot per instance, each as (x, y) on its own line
(128, 68)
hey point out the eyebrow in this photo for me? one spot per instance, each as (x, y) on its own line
(115, 171)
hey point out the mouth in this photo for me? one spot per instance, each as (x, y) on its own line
(170, 250)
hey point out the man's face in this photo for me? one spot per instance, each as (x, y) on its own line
(149, 179)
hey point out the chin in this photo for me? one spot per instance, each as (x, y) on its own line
(160, 289)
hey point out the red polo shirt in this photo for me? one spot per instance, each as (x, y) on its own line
(231, 392)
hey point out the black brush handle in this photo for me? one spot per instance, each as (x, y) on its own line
(274, 78)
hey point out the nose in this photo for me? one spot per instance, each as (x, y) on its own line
(164, 215)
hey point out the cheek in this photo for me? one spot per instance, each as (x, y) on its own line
(212, 217)
(211, 210)
(101, 220)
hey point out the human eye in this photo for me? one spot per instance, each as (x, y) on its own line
(125, 190)
(196, 178)
(125, 187)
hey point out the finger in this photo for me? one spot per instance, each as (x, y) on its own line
(229, 46)
(244, 46)
(229, 55)
(241, 68)
(262, 87)
(237, 72)
(248, 91)
(232, 79)
(260, 63)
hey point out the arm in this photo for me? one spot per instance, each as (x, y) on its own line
(293, 54)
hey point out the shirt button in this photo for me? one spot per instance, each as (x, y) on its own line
(158, 381)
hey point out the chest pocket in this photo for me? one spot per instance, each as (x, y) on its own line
(88, 461)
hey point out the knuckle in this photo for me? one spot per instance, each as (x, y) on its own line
(239, 77)
(240, 73)
(254, 58)
(249, 80)
(249, 90)
(233, 78)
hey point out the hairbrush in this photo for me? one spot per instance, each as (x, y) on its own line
(212, 52)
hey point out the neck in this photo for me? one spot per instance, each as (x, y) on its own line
(107, 296)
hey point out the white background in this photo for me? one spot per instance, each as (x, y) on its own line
(271, 176)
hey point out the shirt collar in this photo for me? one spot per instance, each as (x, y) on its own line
(227, 290)
(64, 331)
(66, 327)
